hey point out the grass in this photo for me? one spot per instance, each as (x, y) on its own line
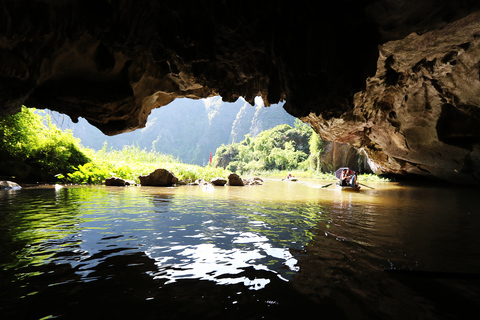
(132, 162)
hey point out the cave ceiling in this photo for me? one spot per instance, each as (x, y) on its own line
(397, 79)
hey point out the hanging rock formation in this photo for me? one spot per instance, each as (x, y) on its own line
(396, 78)
(420, 113)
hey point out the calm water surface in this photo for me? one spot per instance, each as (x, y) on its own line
(282, 250)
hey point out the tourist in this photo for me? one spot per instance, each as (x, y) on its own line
(344, 178)
(353, 180)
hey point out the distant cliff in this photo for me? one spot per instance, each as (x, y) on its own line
(188, 129)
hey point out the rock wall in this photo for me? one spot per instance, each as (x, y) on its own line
(338, 155)
(420, 113)
(395, 78)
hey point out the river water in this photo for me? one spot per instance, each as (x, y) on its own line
(283, 250)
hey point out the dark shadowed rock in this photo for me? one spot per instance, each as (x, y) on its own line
(119, 182)
(160, 177)
(218, 181)
(235, 180)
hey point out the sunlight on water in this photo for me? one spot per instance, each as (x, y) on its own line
(286, 241)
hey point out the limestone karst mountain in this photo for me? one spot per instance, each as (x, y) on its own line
(188, 129)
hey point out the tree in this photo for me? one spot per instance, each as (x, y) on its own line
(33, 140)
(281, 147)
(316, 150)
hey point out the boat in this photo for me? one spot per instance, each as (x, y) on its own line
(338, 175)
(291, 179)
(348, 188)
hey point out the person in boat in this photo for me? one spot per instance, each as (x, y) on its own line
(344, 178)
(289, 176)
(353, 179)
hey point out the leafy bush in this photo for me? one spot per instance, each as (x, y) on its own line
(31, 138)
(131, 162)
(280, 148)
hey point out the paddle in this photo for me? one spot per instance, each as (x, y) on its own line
(327, 185)
(366, 185)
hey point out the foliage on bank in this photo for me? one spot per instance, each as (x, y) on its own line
(131, 162)
(32, 148)
(317, 175)
(30, 142)
(280, 148)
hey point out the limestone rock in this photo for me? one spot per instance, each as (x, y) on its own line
(395, 79)
(420, 113)
(5, 185)
(235, 180)
(218, 181)
(254, 181)
(336, 155)
(118, 182)
(160, 177)
(197, 182)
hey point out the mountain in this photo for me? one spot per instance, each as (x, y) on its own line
(188, 129)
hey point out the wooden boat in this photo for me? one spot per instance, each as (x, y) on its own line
(348, 188)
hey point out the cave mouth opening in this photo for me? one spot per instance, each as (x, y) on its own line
(186, 128)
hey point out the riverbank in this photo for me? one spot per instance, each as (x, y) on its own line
(309, 174)
(132, 162)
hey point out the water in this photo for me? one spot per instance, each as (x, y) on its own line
(278, 251)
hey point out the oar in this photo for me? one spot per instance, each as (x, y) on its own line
(327, 185)
(366, 185)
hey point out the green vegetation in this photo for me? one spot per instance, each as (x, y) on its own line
(277, 149)
(131, 162)
(33, 143)
(280, 148)
(312, 174)
(33, 146)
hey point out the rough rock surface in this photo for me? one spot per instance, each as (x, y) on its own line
(253, 181)
(218, 181)
(160, 177)
(235, 180)
(5, 185)
(420, 113)
(338, 155)
(396, 78)
(118, 182)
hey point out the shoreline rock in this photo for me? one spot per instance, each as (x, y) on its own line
(218, 181)
(119, 182)
(159, 178)
(235, 180)
(254, 181)
(9, 185)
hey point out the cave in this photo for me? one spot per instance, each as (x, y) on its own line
(393, 78)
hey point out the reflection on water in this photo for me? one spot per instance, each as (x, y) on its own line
(273, 251)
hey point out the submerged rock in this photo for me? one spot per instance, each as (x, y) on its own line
(252, 181)
(160, 177)
(5, 185)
